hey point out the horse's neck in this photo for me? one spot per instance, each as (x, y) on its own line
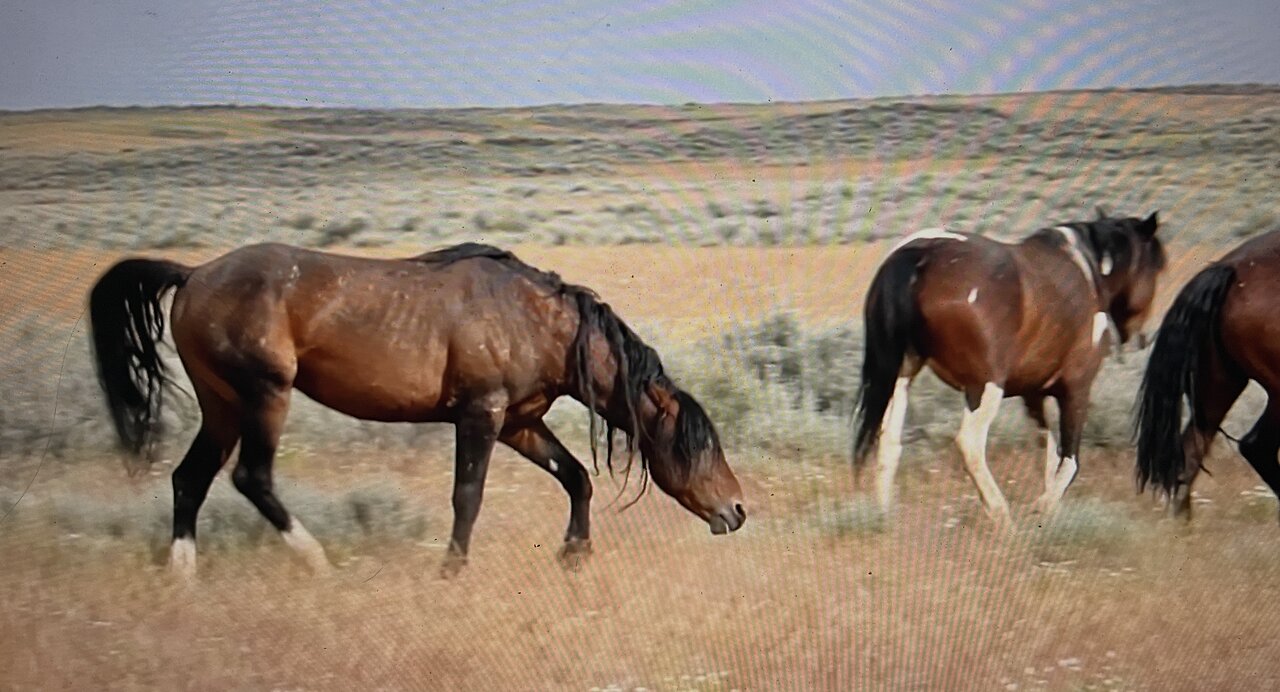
(1068, 244)
(600, 393)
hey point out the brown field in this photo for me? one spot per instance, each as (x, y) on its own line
(693, 222)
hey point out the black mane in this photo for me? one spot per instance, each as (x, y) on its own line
(638, 364)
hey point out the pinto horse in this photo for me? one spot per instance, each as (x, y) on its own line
(1220, 332)
(468, 335)
(996, 320)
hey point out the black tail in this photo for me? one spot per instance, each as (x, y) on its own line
(127, 324)
(889, 318)
(1189, 330)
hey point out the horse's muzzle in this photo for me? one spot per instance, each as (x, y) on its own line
(728, 520)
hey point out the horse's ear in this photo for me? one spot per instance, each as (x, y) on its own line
(1102, 213)
(1149, 225)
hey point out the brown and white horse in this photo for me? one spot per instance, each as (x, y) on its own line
(1221, 331)
(996, 320)
(468, 335)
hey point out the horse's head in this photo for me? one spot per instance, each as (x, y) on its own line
(685, 458)
(1130, 259)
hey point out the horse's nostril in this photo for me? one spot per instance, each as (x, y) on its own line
(740, 510)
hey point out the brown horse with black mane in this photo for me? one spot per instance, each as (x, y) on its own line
(997, 320)
(468, 335)
(1220, 332)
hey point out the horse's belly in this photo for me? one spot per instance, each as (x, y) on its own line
(373, 388)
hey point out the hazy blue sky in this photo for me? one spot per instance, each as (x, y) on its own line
(57, 53)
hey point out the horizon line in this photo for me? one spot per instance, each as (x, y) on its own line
(1243, 87)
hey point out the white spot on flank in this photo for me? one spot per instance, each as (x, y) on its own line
(1099, 327)
(973, 295)
(930, 234)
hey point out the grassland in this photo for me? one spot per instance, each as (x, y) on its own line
(739, 240)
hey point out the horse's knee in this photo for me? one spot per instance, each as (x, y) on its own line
(250, 481)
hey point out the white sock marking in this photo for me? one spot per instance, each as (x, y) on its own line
(182, 557)
(930, 234)
(1051, 460)
(890, 450)
(1100, 324)
(301, 540)
(973, 445)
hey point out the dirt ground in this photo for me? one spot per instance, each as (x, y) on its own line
(937, 601)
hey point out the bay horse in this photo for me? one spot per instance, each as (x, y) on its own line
(1219, 333)
(468, 335)
(1000, 319)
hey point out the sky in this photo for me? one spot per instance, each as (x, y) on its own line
(394, 53)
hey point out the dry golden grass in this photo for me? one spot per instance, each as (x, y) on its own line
(793, 600)
(813, 593)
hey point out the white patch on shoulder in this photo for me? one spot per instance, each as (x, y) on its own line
(930, 234)
(973, 295)
(1077, 255)
(1100, 322)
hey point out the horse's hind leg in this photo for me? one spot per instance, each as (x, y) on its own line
(1260, 445)
(1035, 409)
(192, 478)
(539, 445)
(889, 449)
(477, 427)
(1061, 463)
(1218, 391)
(980, 412)
(260, 431)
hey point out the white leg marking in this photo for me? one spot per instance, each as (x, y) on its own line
(973, 295)
(1051, 460)
(930, 234)
(182, 557)
(890, 449)
(1100, 324)
(301, 541)
(1056, 486)
(973, 445)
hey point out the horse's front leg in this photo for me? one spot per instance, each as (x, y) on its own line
(477, 431)
(538, 444)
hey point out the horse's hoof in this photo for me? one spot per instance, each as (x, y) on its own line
(574, 553)
(452, 566)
